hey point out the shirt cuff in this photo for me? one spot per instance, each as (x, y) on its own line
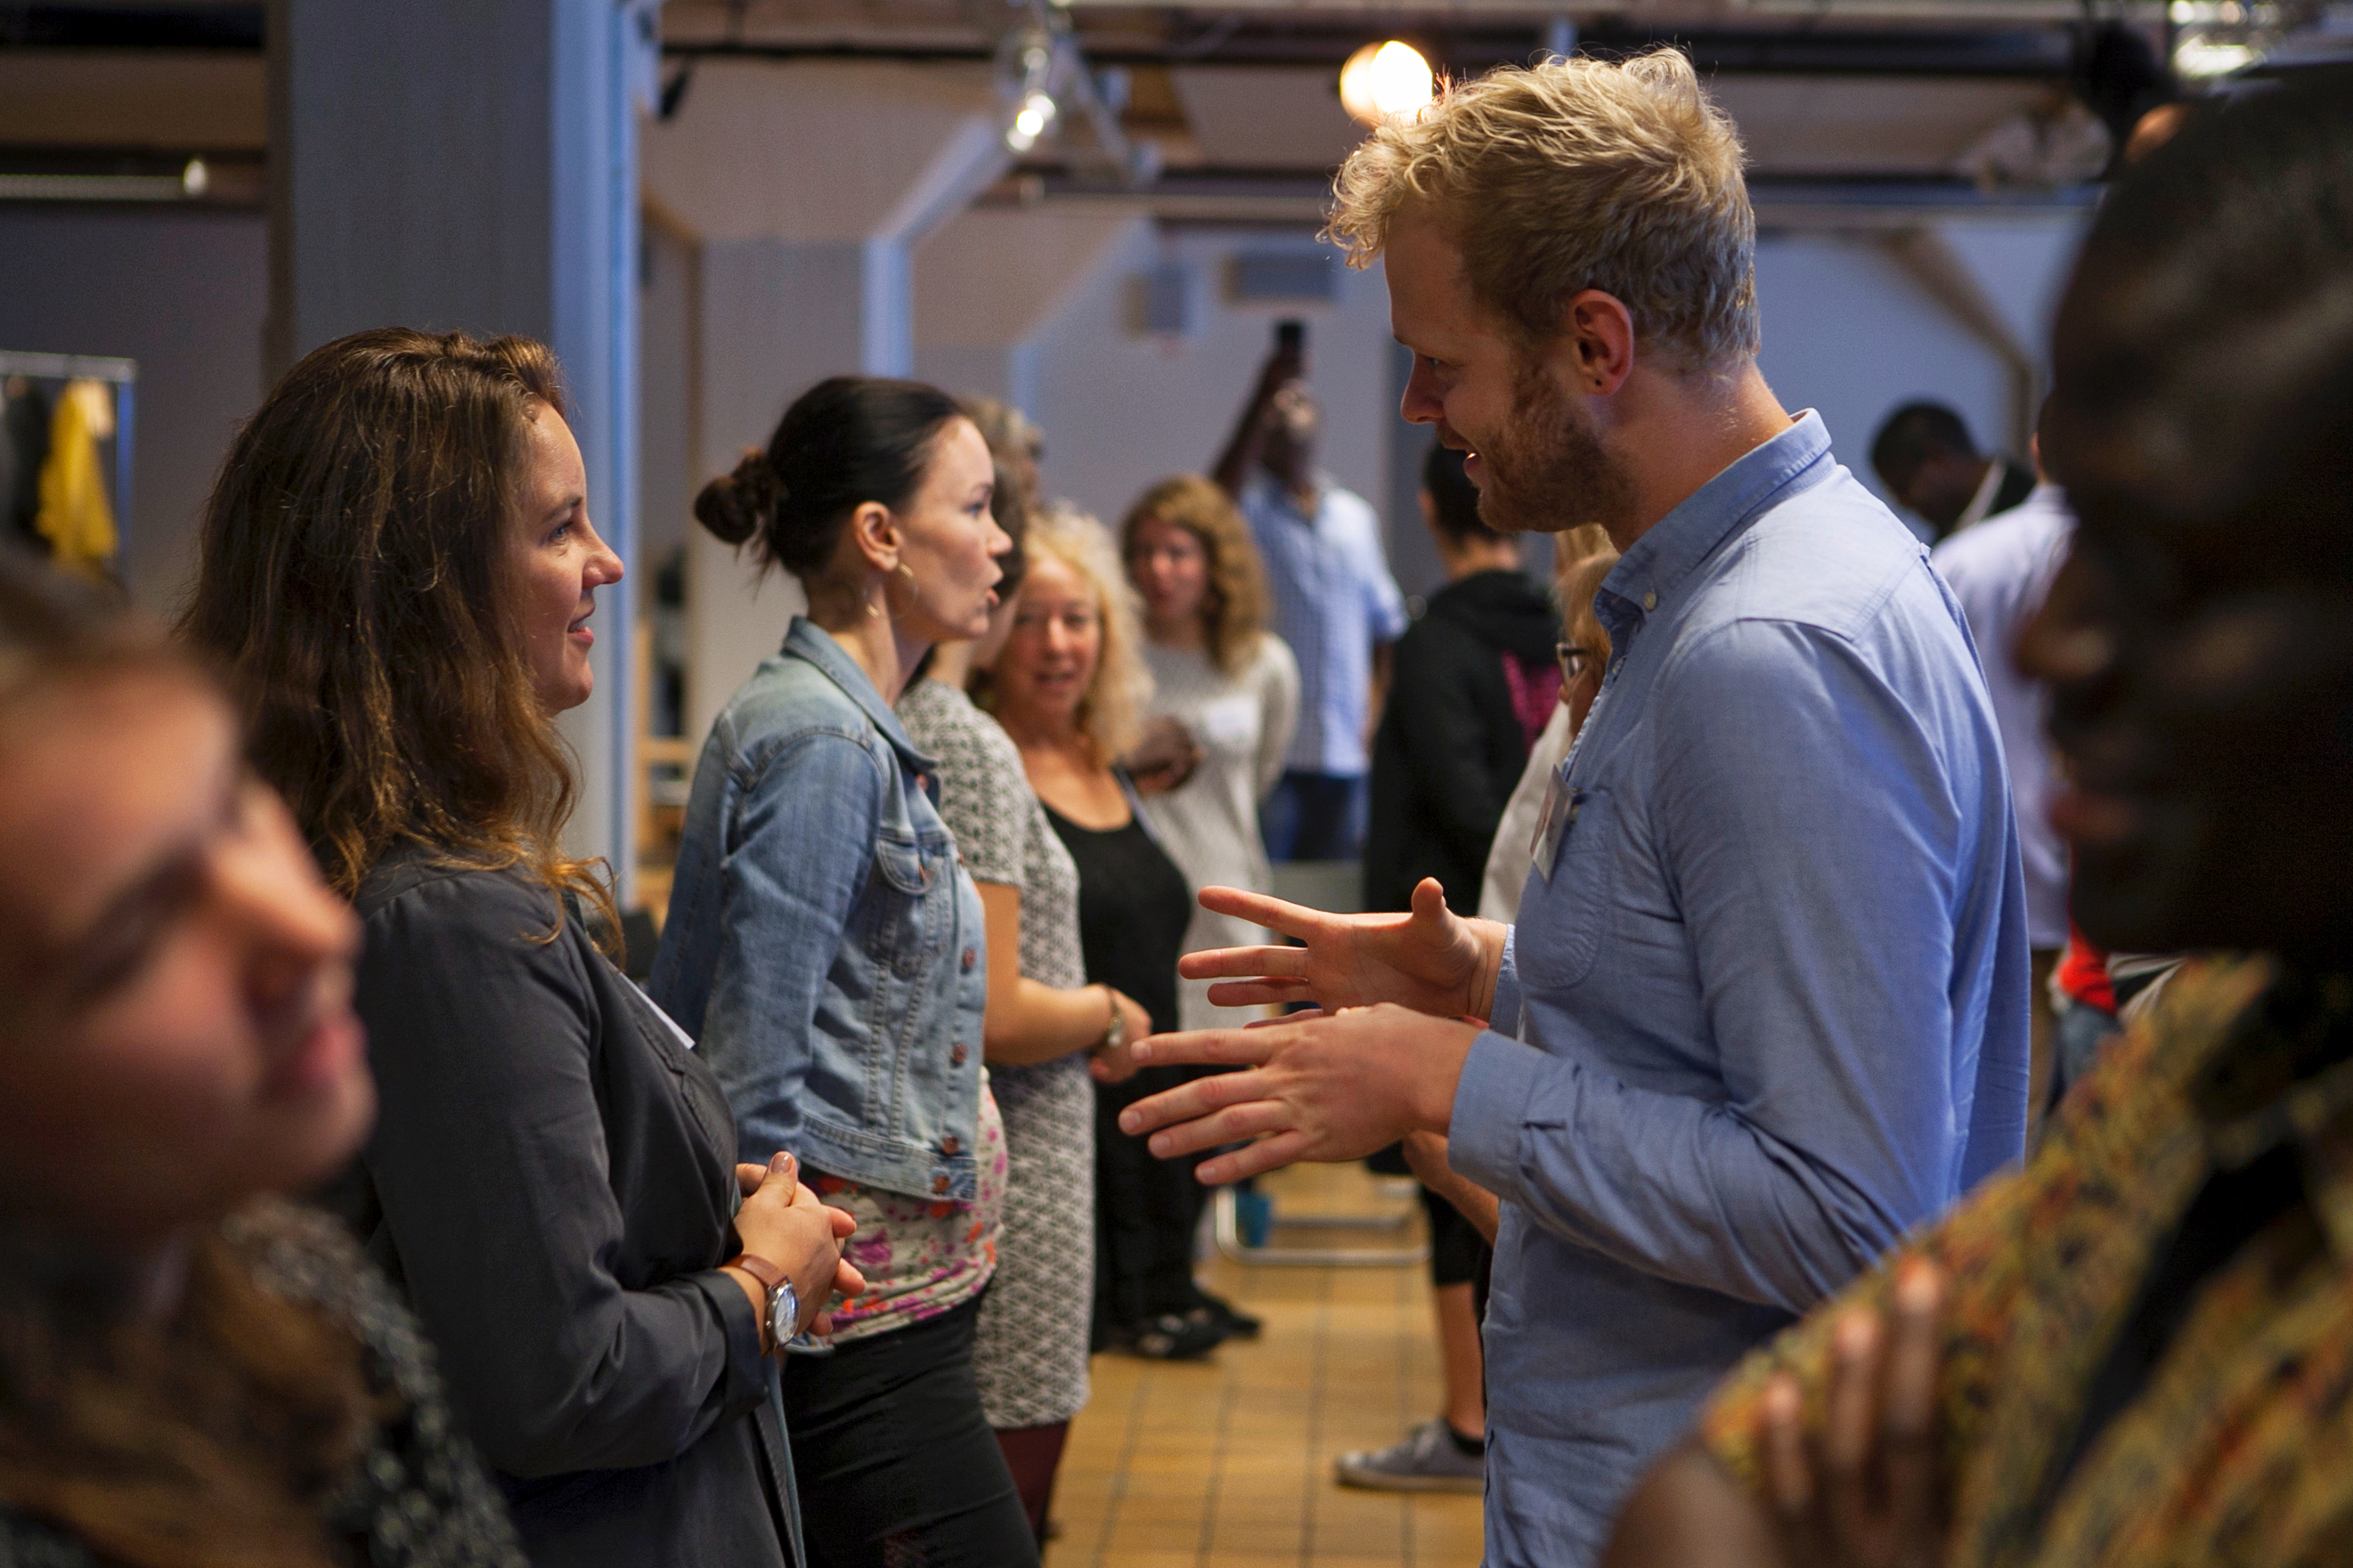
(1504, 1012)
(1482, 1136)
(745, 1380)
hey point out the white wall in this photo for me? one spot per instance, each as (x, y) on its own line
(1122, 409)
(181, 290)
(1848, 332)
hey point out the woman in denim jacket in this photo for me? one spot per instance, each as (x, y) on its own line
(828, 948)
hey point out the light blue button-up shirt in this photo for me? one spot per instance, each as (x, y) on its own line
(1334, 599)
(1774, 980)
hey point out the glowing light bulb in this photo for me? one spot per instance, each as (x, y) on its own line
(1386, 81)
(1029, 122)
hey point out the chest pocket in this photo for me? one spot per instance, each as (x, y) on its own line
(1575, 901)
(918, 888)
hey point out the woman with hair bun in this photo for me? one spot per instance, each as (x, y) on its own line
(828, 946)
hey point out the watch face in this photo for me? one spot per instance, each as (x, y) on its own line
(783, 1311)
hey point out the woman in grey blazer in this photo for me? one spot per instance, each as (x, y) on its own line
(398, 571)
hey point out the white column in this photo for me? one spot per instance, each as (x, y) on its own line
(809, 186)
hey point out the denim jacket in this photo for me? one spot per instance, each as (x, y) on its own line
(824, 942)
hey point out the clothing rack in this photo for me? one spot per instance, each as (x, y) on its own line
(124, 375)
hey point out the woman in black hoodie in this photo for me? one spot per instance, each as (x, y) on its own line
(1474, 680)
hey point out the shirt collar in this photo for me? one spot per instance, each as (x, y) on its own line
(1649, 572)
(805, 639)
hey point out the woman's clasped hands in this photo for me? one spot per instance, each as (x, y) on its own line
(787, 1222)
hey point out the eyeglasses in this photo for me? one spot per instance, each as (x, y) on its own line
(1574, 661)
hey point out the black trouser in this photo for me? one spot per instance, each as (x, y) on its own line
(894, 1461)
(1146, 1209)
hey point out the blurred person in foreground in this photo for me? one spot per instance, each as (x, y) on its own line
(1729, 1069)
(1473, 682)
(1335, 607)
(2135, 1350)
(192, 1371)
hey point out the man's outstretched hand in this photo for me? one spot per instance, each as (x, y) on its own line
(1322, 1087)
(1431, 961)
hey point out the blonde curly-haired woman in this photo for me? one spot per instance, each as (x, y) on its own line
(1070, 687)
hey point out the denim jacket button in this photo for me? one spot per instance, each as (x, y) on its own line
(956, 1057)
(939, 1183)
(970, 957)
(950, 1144)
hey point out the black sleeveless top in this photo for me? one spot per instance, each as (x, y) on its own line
(1134, 907)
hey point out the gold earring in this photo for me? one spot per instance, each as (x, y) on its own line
(915, 592)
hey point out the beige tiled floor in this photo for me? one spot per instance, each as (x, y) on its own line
(1227, 1463)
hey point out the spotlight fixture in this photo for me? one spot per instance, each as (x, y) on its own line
(1386, 81)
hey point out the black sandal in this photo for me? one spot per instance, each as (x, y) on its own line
(1172, 1336)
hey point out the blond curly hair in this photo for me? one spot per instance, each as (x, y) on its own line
(1111, 713)
(1575, 174)
(1234, 612)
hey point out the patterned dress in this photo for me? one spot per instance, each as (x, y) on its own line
(419, 1497)
(2237, 1447)
(1031, 1355)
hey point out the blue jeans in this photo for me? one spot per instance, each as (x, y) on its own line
(1314, 816)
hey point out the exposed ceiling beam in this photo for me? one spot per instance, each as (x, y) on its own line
(2036, 52)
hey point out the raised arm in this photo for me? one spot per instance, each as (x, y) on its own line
(1233, 465)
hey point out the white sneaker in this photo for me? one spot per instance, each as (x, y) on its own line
(1428, 1460)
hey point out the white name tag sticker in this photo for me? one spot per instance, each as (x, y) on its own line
(1230, 721)
(1559, 809)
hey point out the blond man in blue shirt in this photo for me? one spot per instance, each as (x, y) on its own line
(1766, 1006)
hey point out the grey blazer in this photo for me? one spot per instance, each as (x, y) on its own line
(550, 1182)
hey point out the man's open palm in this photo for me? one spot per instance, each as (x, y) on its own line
(1431, 961)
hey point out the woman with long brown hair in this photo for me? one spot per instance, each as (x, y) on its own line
(1233, 684)
(398, 569)
(191, 1371)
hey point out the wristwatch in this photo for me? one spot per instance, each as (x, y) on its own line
(783, 1319)
(1115, 1032)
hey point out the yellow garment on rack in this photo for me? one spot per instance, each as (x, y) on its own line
(76, 517)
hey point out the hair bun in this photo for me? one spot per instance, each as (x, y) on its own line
(736, 507)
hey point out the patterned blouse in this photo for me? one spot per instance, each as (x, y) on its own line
(919, 1258)
(2238, 1447)
(1031, 1353)
(418, 1496)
